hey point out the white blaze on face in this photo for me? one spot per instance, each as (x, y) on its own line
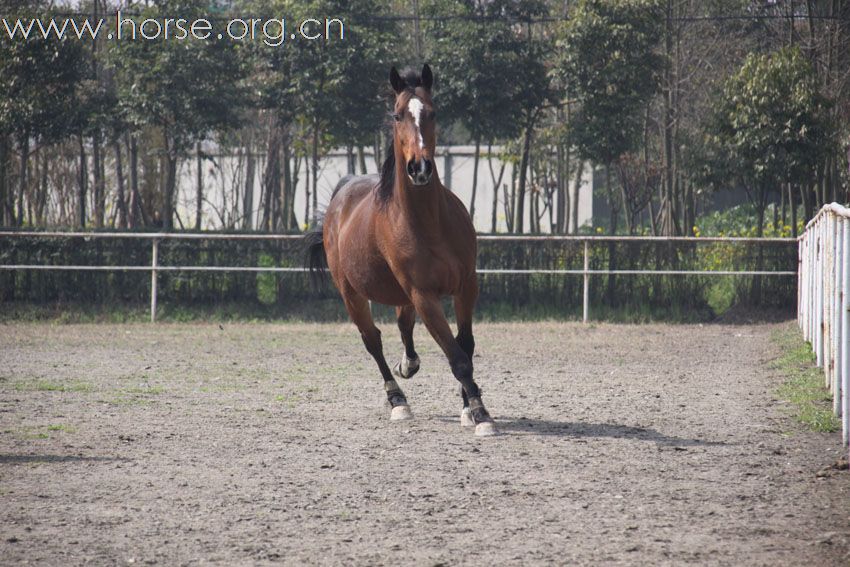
(415, 106)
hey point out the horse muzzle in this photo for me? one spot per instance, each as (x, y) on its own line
(420, 171)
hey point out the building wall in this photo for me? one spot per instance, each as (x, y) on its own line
(455, 166)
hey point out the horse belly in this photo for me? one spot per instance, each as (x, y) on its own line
(375, 281)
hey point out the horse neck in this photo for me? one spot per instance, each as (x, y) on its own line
(421, 208)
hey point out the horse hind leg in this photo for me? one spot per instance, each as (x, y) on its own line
(361, 315)
(409, 364)
(473, 413)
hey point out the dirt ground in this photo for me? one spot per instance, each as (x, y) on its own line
(257, 444)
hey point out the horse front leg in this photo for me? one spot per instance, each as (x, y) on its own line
(431, 311)
(409, 364)
(358, 309)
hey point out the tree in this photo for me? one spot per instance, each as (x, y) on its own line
(473, 47)
(184, 88)
(38, 85)
(609, 63)
(770, 125)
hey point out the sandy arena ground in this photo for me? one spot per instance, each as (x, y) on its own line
(258, 444)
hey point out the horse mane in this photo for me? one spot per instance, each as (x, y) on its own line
(387, 180)
(412, 79)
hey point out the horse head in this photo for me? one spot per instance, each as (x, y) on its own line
(414, 124)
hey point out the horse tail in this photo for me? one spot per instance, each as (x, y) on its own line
(315, 259)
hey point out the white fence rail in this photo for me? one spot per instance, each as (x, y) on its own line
(155, 267)
(823, 301)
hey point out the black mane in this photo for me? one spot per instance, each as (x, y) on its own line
(387, 181)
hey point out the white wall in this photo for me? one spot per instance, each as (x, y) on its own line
(334, 166)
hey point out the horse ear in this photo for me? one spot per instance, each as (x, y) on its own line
(427, 77)
(396, 81)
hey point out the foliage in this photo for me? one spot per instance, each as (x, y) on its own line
(187, 88)
(770, 122)
(607, 57)
(476, 59)
(39, 79)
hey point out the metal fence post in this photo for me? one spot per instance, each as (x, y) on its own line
(845, 334)
(837, 294)
(154, 263)
(586, 309)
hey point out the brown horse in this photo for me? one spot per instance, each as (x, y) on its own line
(403, 239)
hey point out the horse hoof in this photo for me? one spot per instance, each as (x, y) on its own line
(400, 413)
(406, 368)
(486, 429)
(466, 418)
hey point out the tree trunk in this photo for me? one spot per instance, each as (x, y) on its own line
(41, 201)
(361, 159)
(248, 201)
(497, 182)
(510, 201)
(474, 179)
(119, 178)
(612, 246)
(523, 167)
(83, 187)
(136, 210)
(167, 219)
(307, 179)
(349, 159)
(315, 163)
(99, 193)
(289, 185)
(668, 215)
(6, 217)
(199, 188)
(576, 193)
(793, 205)
(22, 181)
(271, 177)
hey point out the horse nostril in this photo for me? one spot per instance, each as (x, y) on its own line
(411, 168)
(427, 166)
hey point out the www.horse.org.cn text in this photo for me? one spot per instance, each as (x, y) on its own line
(272, 32)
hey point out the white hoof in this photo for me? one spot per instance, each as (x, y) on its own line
(486, 429)
(400, 413)
(466, 418)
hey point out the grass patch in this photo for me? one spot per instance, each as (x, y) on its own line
(145, 390)
(47, 386)
(804, 385)
(61, 428)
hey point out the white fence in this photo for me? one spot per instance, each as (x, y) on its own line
(823, 301)
(155, 267)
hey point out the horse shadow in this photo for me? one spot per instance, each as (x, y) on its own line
(584, 430)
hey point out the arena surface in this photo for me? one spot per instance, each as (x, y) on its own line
(258, 444)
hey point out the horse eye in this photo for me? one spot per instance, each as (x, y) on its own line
(433, 115)
(397, 117)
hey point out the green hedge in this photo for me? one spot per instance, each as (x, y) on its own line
(537, 295)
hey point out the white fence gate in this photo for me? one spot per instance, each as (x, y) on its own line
(823, 301)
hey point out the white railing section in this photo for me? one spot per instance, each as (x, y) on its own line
(823, 301)
(155, 267)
